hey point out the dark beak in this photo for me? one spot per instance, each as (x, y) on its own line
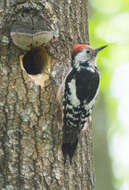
(100, 48)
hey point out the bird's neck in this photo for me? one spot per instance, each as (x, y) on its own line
(78, 65)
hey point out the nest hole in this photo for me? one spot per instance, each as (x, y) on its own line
(35, 61)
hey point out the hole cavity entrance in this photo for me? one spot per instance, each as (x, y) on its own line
(36, 61)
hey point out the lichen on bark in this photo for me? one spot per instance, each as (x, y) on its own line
(31, 136)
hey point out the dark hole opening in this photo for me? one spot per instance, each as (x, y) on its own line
(33, 61)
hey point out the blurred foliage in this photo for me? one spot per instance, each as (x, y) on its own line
(109, 24)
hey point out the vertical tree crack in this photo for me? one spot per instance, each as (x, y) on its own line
(19, 162)
(34, 176)
(4, 162)
(35, 161)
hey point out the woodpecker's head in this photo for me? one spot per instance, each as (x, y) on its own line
(84, 53)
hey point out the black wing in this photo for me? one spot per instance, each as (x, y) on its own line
(87, 83)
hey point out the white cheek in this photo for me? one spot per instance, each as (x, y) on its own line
(81, 56)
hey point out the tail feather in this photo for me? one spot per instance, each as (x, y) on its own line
(68, 149)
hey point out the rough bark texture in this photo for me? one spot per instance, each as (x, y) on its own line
(30, 132)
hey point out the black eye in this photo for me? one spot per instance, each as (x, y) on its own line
(88, 51)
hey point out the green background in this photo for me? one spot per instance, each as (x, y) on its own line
(109, 24)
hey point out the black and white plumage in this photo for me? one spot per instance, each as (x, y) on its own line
(79, 92)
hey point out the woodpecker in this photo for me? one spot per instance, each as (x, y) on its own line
(79, 91)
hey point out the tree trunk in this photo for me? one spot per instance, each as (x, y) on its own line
(30, 127)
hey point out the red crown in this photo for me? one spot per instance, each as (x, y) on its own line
(79, 47)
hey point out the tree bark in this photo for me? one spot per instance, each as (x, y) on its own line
(30, 127)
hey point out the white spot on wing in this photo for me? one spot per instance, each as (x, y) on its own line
(73, 97)
(90, 105)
